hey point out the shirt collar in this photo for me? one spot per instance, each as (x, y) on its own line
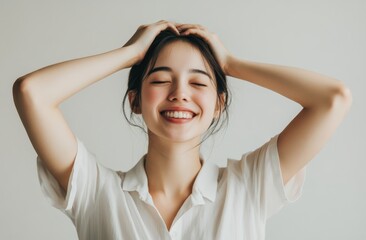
(205, 185)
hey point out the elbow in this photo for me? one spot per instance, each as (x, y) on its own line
(20, 87)
(341, 97)
(23, 89)
(27, 91)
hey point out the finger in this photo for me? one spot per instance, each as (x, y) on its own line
(161, 21)
(194, 26)
(198, 32)
(166, 24)
(173, 27)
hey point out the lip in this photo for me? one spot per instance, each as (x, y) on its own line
(178, 108)
(178, 120)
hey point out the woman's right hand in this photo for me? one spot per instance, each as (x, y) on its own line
(145, 35)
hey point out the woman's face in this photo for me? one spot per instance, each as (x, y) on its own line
(178, 96)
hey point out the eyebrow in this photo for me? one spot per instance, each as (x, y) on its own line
(168, 69)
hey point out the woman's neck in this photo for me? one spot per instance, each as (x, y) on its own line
(171, 168)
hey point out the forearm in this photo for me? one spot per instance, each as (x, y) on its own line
(53, 84)
(307, 88)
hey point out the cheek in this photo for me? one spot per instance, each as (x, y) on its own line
(209, 102)
(151, 96)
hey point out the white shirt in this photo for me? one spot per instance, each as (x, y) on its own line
(233, 202)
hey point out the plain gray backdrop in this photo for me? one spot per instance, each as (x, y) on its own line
(323, 36)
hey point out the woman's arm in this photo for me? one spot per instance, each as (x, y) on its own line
(307, 88)
(53, 84)
(37, 96)
(325, 101)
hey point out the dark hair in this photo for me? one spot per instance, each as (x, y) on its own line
(139, 71)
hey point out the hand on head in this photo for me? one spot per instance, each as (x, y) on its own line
(146, 34)
(221, 53)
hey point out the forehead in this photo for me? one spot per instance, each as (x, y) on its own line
(180, 56)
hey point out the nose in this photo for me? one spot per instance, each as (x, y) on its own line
(179, 92)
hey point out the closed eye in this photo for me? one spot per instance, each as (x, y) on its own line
(200, 84)
(159, 82)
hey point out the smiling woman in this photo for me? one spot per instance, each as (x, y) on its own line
(178, 85)
(166, 45)
(184, 92)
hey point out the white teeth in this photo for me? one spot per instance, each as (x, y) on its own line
(178, 114)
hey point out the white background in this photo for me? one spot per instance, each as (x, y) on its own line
(323, 36)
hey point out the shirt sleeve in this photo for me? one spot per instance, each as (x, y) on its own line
(82, 185)
(263, 178)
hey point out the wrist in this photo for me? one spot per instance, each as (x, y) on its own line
(134, 56)
(228, 67)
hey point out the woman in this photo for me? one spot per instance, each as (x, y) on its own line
(177, 84)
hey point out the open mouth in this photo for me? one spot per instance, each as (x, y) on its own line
(178, 114)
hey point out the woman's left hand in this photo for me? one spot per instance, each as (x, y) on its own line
(221, 53)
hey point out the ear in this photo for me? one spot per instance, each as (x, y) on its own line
(134, 102)
(220, 105)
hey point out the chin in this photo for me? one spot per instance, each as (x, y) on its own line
(175, 137)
